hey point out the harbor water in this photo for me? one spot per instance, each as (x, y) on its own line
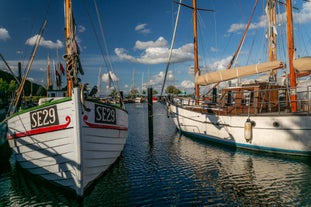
(170, 169)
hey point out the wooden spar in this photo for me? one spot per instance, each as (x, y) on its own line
(195, 52)
(21, 86)
(68, 8)
(291, 49)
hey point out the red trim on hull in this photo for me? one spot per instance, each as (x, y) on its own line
(40, 130)
(103, 126)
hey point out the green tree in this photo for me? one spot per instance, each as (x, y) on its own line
(133, 92)
(172, 90)
(3, 85)
(114, 93)
(12, 87)
(154, 92)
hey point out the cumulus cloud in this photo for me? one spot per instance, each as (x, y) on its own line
(304, 15)
(159, 43)
(156, 80)
(187, 84)
(214, 66)
(113, 76)
(4, 34)
(45, 43)
(301, 17)
(142, 28)
(155, 52)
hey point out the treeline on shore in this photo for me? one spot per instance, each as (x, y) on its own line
(8, 86)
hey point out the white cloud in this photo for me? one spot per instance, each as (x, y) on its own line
(4, 34)
(304, 15)
(187, 84)
(156, 81)
(216, 65)
(141, 28)
(160, 42)
(45, 43)
(299, 17)
(155, 52)
(105, 77)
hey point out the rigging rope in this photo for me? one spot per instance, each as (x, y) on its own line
(240, 44)
(105, 57)
(171, 48)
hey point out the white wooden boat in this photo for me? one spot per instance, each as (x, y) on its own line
(263, 116)
(71, 140)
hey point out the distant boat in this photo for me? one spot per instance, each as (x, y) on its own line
(139, 100)
(155, 99)
(265, 116)
(69, 140)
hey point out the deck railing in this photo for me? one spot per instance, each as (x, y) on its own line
(252, 102)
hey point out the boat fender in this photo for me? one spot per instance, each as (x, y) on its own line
(168, 111)
(248, 130)
(82, 97)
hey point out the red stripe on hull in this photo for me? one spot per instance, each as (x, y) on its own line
(40, 130)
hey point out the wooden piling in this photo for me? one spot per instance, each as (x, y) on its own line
(150, 113)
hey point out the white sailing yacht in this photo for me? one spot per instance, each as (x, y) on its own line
(265, 116)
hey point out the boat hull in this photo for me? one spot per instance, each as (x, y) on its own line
(69, 142)
(274, 133)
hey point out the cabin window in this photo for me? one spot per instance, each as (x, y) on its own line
(248, 97)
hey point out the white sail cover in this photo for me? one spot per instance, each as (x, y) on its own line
(303, 64)
(229, 74)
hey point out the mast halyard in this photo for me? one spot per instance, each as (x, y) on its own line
(291, 49)
(195, 52)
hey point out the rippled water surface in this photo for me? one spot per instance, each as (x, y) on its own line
(172, 170)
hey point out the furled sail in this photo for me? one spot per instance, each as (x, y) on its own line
(224, 75)
(303, 64)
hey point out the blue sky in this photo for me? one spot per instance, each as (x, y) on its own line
(138, 35)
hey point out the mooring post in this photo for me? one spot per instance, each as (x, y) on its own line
(150, 113)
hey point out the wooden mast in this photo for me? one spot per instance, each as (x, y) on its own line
(68, 9)
(291, 49)
(271, 13)
(195, 52)
(271, 6)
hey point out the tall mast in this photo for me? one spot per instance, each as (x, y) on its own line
(291, 49)
(68, 10)
(195, 46)
(271, 13)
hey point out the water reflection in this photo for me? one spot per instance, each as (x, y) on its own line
(173, 170)
(243, 178)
